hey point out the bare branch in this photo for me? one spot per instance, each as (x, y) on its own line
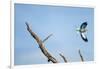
(47, 37)
(41, 45)
(82, 59)
(63, 58)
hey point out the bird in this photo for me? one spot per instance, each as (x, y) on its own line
(82, 30)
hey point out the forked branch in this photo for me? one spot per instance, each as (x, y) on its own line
(47, 37)
(41, 45)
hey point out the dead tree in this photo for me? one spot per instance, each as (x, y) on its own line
(41, 45)
(82, 59)
(44, 50)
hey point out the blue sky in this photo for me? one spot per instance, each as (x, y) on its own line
(61, 21)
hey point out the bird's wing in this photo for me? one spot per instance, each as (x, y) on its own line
(84, 37)
(83, 26)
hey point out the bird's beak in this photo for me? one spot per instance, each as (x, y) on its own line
(77, 29)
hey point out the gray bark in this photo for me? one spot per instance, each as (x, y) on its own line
(41, 45)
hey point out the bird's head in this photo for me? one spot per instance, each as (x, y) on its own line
(77, 29)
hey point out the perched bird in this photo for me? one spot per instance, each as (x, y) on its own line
(82, 31)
